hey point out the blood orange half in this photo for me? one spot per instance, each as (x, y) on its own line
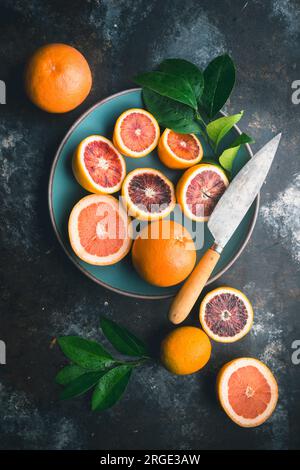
(99, 230)
(148, 194)
(179, 151)
(136, 133)
(226, 314)
(247, 391)
(98, 166)
(199, 190)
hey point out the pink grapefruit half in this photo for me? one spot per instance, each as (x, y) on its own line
(99, 230)
(247, 391)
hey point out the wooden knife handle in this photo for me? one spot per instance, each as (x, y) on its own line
(192, 288)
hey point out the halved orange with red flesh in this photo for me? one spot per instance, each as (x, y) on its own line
(226, 314)
(148, 194)
(199, 190)
(136, 133)
(98, 166)
(179, 151)
(99, 230)
(247, 391)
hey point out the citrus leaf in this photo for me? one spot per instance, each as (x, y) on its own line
(183, 127)
(242, 139)
(123, 340)
(85, 353)
(228, 156)
(219, 79)
(81, 384)
(217, 129)
(169, 113)
(111, 387)
(69, 373)
(187, 70)
(168, 85)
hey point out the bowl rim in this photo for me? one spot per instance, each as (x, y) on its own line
(75, 261)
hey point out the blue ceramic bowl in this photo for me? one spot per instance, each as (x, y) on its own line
(64, 192)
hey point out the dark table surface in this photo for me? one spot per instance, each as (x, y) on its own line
(43, 295)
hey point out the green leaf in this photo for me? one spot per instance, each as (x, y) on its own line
(122, 339)
(242, 139)
(170, 113)
(183, 127)
(85, 353)
(168, 85)
(69, 373)
(219, 79)
(185, 69)
(111, 387)
(81, 384)
(217, 129)
(228, 156)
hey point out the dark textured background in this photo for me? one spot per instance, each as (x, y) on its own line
(43, 295)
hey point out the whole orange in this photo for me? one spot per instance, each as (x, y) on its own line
(164, 253)
(57, 78)
(185, 350)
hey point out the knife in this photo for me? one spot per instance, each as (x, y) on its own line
(222, 224)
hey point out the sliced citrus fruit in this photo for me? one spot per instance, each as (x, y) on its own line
(199, 190)
(99, 230)
(148, 194)
(226, 314)
(179, 151)
(98, 166)
(247, 391)
(136, 133)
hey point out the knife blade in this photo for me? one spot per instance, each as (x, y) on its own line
(237, 199)
(227, 215)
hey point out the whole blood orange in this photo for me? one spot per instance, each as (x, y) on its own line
(98, 166)
(185, 350)
(248, 391)
(99, 230)
(179, 151)
(57, 78)
(164, 253)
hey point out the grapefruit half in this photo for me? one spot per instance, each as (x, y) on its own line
(98, 166)
(247, 391)
(99, 230)
(199, 190)
(179, 151)
(148, 194)
(136, 133)
(226, 314)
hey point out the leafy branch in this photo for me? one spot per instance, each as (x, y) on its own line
(185, 99)
(94, 367)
